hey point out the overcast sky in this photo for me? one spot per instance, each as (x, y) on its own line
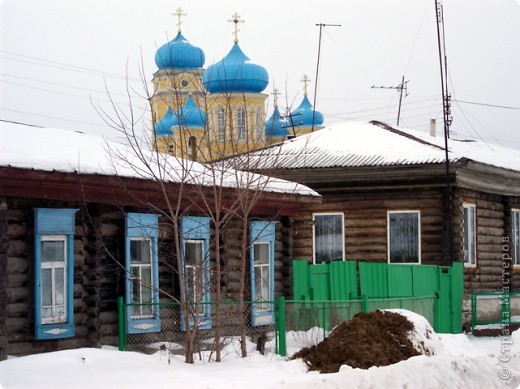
(57, 57)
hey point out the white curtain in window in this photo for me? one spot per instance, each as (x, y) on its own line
(328, 238)
(404, 237)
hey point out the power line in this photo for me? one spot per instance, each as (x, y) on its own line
(64, 66)
(23, 123)
(67, 94)
(320, 25)
(64, 85)
(52, 117)
(487, 105)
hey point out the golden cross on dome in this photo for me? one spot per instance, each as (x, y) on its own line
(306, 80)
(275, 94)
(236, 20)
(179, 13)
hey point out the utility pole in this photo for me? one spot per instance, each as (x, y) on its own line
(403, 86)
(447, 119)
(291, 123)
(321, 25)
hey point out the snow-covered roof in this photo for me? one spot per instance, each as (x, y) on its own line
(357, 144)
(51, 149)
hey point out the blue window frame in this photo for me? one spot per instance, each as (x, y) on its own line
(142, 273)
(261, 253)
(54, 273)
(195, 235)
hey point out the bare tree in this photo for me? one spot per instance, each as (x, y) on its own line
(221, 187)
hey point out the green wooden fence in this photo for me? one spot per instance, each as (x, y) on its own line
(347, 280)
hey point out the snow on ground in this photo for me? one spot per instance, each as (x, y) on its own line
(459, 361)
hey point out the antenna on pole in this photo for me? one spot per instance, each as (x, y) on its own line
(403, 86)
(447, 118)
(321, 25)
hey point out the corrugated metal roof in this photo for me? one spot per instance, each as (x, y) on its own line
(357, 144)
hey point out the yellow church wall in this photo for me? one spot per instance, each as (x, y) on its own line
(172, 88)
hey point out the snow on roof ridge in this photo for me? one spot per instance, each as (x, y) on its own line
(475, 150)
(402, 133)
(53, 149)
(374, 143)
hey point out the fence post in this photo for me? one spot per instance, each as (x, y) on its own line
(121, 324)
(280, 325)
(364, 303)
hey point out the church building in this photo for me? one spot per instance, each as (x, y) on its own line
(207, 114)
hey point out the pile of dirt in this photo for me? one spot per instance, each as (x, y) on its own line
(369, 339)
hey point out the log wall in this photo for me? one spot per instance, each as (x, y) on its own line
(494, 242)
(366, 224)
(99, 276)
(4, 246)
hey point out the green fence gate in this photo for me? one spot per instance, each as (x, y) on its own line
(350, 280)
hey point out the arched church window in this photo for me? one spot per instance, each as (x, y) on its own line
(258, 125)
(241, 123)
(221, 125)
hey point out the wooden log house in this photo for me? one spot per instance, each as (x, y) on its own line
(70, 224)
(386, 199)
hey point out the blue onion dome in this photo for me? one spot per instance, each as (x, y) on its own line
(190, 115)
(305, 113)
(164, 126)
(276, 126)
(235, 73)
(179, 54)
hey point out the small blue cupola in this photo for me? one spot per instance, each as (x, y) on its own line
(302, 116)
(235, 73)
(275, 126)
(179, 54)
(164, 126)
(190, 115)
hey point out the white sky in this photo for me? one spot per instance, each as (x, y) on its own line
(56, 55)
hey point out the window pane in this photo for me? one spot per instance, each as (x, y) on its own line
(53, 251)
(469, 234)
(221, 125)
(146, 290)
(140, 251)
(59, 279)
(261, 253)
(328, 238)
(190, 282)
(404, 237)
(135, 285)
(146, 282)
(46, 313)
(262, 276)
(195, 288)
(241, 123)
(193, 253)
(47, 287)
